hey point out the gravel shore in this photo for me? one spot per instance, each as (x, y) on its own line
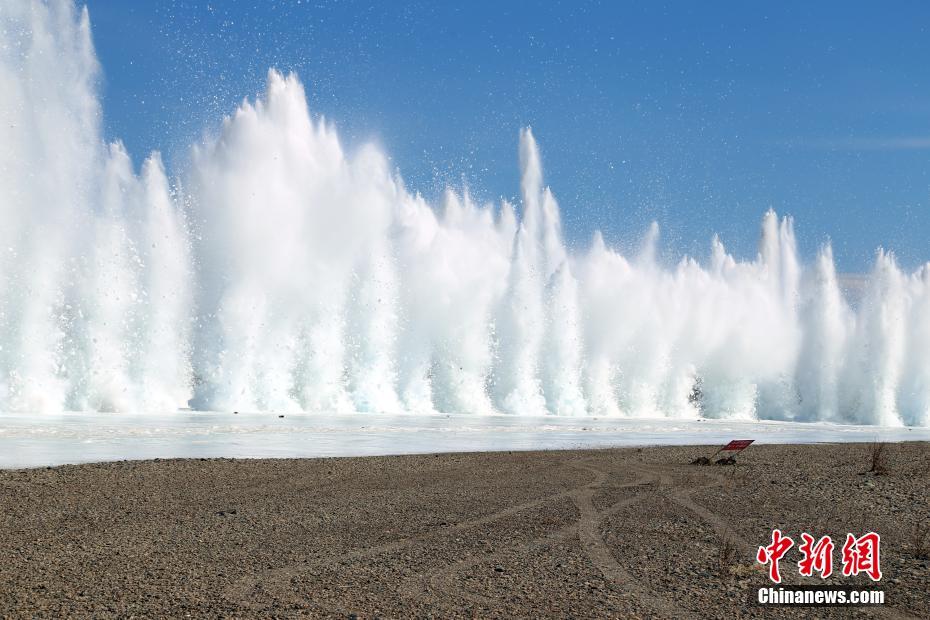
(634, 532)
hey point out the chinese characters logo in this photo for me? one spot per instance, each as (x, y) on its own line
(859, 555)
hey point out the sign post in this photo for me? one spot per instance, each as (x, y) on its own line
(735, 446)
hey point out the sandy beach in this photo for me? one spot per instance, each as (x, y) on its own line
(633, 532)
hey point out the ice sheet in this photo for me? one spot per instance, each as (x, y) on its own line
(44, 440)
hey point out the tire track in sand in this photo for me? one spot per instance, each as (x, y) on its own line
(680, 493)
(276, 582)
(586, 529)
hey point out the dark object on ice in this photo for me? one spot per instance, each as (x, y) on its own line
(696, 397)
(280, 416)
(701, 460)
(727, 460)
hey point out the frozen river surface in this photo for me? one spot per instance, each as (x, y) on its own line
(41, 440)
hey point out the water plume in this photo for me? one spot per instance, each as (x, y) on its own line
(277, 271)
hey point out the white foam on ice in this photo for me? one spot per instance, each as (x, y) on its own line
(279, 271)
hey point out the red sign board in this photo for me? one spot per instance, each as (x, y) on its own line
(737, 444)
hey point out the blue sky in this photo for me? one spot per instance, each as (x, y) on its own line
(697, 115)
